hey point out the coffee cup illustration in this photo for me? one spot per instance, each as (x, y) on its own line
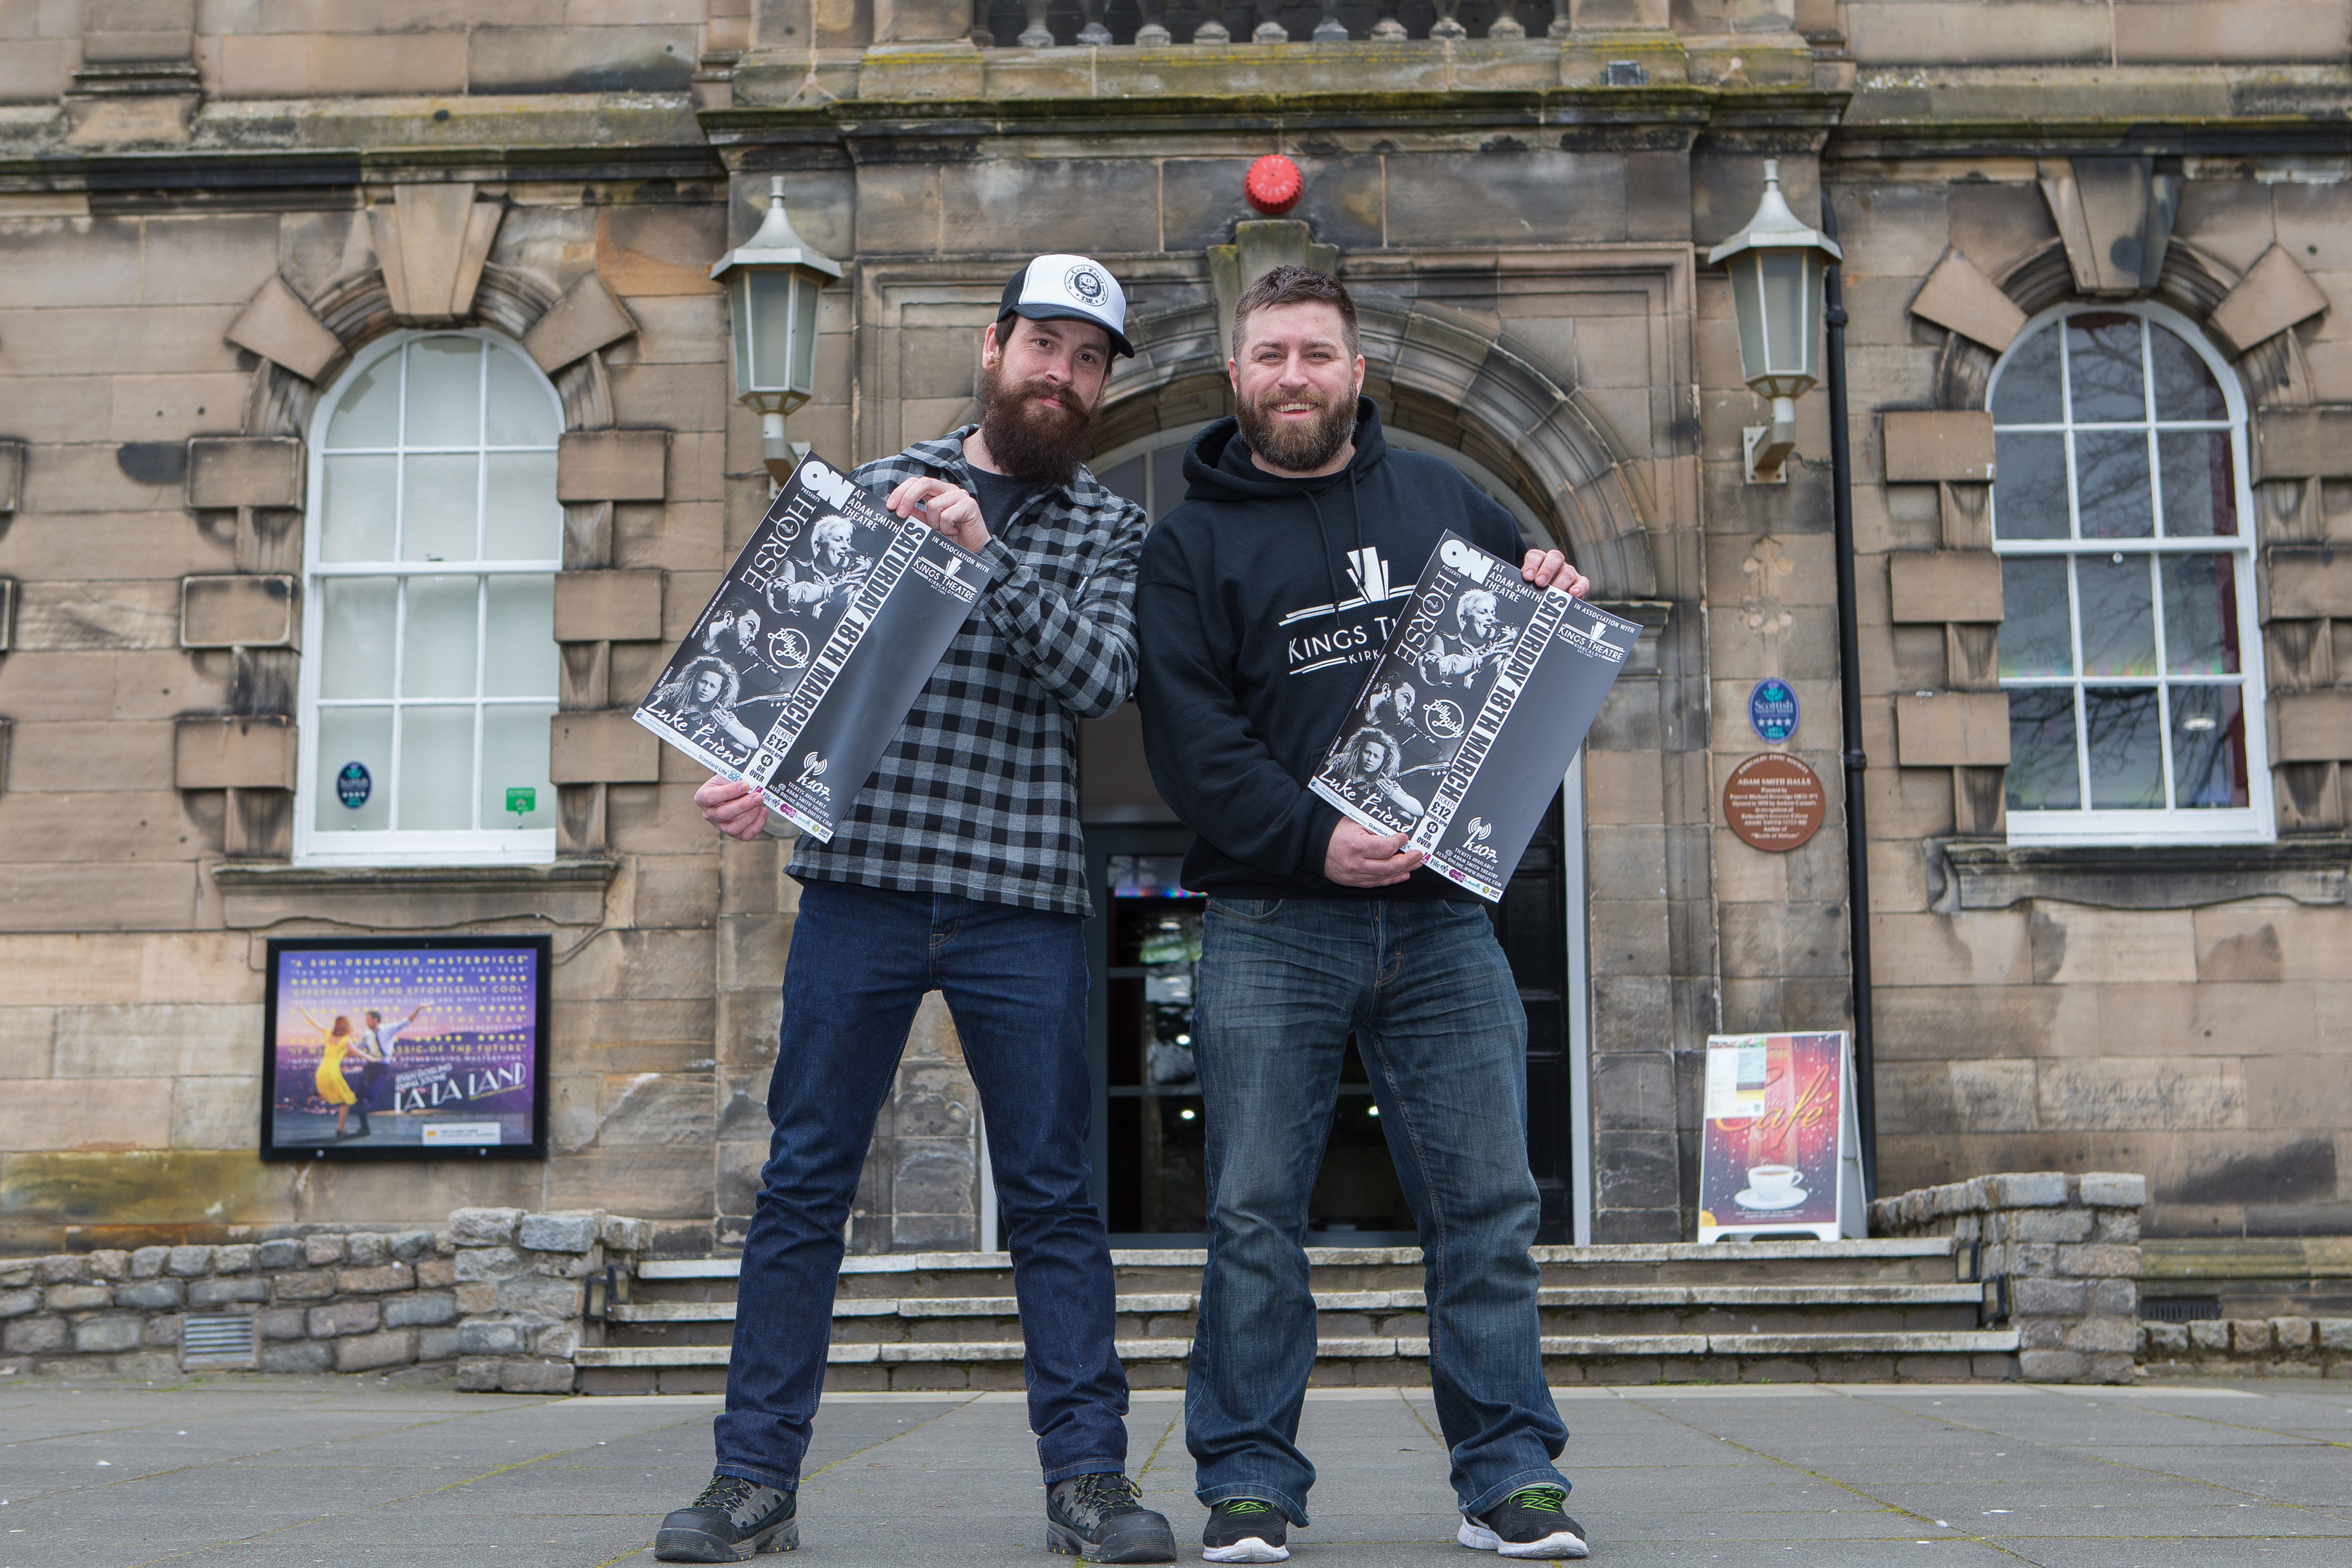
(1773, 1182)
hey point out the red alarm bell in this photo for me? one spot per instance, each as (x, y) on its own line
(1273, 185)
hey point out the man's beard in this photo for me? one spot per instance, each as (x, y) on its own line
(1030, 442)
(1297, 448)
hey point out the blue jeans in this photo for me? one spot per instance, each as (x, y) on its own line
(1426, 990)
(1016, 982)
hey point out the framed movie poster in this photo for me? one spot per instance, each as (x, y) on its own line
(1781, 1150)
(405, 1048)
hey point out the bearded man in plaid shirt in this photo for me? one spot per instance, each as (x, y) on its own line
(960, 867)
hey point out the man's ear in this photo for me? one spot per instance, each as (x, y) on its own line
(991, 351)
(1359, 375)
(1233, 375)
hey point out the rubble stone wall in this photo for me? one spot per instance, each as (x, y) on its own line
(2248, 1347)
(2069, 1247)
(497, 1296)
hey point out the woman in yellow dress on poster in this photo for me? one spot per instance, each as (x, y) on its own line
(333, 1088)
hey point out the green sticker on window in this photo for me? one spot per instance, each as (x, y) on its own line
(522, 802)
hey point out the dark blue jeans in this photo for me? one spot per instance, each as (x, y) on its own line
(1426, 990)
(1015, 981)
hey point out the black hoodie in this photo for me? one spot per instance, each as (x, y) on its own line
(1263, 604)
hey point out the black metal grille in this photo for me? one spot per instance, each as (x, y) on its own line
(216, 1340)
(2180, 1310)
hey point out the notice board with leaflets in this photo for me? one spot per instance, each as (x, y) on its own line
(1781, 1152)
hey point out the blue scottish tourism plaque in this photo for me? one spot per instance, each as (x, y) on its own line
(1772, 709)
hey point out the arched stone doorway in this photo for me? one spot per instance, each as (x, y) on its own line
(1144, 938)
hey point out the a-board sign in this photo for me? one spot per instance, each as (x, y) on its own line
(1774, 802)
(1782, 1151)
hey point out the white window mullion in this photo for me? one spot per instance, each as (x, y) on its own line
(399, 658)
(2163, 680)
(482, 553)
(481, 681)
(2082, 702)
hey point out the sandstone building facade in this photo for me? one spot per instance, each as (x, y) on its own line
(2098, 269)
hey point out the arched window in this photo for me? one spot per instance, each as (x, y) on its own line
(2131, 648)
(429, 668)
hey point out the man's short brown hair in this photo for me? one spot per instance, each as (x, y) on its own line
(1297, 286)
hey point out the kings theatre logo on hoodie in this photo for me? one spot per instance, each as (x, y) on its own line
(1346, 641)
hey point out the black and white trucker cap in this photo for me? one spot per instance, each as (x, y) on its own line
(1069, 288)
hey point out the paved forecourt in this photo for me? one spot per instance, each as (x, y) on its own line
(298, 1471)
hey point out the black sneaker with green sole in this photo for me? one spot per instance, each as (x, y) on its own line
(731, 1521)
(1245, 1529)
(1532, 1522)
(1102, 1518)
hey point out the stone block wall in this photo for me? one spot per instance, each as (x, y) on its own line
(2069, 1248)
(2175, 1009)
(2248, 1347)
(498, 1297)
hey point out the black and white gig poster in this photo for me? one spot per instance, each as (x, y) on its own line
(819, 639)
(1473, 713)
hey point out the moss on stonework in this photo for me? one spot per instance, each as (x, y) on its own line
(142, 1186)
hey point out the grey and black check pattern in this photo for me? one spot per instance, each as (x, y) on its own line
(978, 794)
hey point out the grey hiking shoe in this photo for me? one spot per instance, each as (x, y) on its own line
(732, 1519)
(1100, 1518)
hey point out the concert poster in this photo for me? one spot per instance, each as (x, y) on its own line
(1462, 734)
(819, 638)
(404, 1047)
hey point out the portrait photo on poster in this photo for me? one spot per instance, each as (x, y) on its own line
(404, 1047)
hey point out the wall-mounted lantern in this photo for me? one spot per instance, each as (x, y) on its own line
(772, 288)
(1776, 265)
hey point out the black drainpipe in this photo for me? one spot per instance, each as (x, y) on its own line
(1857, 835)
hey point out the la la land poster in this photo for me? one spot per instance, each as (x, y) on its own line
(405, 1048)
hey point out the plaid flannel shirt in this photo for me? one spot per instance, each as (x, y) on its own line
(978, 793)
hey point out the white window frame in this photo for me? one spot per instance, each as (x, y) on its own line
(472, 847)
(2253, 822)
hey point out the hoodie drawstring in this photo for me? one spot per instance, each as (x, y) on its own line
(1357, 508)
(1324, 534)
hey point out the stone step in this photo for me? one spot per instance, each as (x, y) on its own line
(1961, 1342)
(958, 1275)
(1606, 1296)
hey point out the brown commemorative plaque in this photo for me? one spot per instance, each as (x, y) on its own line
(1774, 802)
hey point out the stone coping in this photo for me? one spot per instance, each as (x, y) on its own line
(2246, 1257)
(279, 876)
(1992, 875)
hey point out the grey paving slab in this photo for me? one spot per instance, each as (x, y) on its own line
(299, 1472)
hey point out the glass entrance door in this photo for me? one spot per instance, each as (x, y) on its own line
(1147, 1142)
(1150, 1155)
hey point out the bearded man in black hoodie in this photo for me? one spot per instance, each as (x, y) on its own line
(1261, 600)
